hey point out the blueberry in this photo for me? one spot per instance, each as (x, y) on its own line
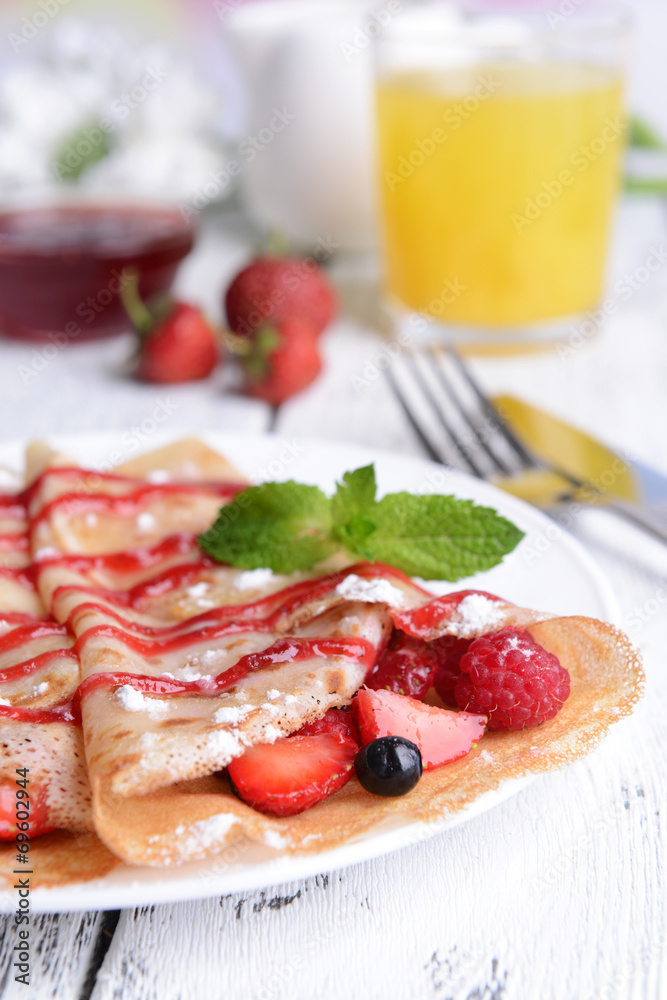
(390, 765)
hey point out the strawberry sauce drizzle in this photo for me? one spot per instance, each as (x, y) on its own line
(24, 576)
(18, 670)
(130, 560)
(157, 586)
(206, 618)
(66, 712)
(282, 651)
(280, 604)
(12, 506)
(26, 633)
(129, 504)
(264, 614)
(14, 542)
(91, 479)
(160, 647)
(20, 618)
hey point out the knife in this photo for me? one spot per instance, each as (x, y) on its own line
(629, 486)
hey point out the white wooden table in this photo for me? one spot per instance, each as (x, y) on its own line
(560, 891)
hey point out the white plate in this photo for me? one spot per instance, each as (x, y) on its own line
(548, 571)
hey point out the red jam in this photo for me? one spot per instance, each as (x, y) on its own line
(61, 267)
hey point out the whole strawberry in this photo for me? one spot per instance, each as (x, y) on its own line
(180, 347)
(282, 360)
(273, 289)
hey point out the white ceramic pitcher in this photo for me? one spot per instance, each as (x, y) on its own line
(307, 164)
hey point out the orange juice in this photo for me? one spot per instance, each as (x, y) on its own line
(496, 188)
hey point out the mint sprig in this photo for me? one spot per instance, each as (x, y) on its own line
(290, 526)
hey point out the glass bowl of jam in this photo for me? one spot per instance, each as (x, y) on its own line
(63, 266)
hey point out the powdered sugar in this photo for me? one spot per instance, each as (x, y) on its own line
(224, 744)
(271, 734)
(198, 593)
(159, 476)
(476, 614)
(350, 625)
(253, 579)
(210, 655)
(272, 694)
(206, 833)
(188, 674)
(145, 521)
(377, 591)
(134, 701)
(230, 714)
(46, 552)
(275, 840)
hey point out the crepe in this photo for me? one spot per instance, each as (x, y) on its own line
(156, 622)
(38, 670)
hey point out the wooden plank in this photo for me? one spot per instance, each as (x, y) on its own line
(62, 947)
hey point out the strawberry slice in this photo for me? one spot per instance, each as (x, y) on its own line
(36, 822)
(293, 774)
(441, 735)
(407, 666)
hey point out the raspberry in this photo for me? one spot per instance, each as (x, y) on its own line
(448, 651)
(407, 666)
(512, 679)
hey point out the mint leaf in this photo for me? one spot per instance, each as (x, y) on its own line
(352, 505)
(355, 494)
(284, 526)
(289, 526)
(437, 537)
(644, 136)
(69, 163)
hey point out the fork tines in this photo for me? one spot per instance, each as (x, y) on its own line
(452, 417)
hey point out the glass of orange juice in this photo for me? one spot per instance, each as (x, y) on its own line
(500, 137)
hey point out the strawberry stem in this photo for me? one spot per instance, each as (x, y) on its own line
(139, 315)
(241, 346)
(266, 341)
(277, 243)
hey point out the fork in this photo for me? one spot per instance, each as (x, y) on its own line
(458, 425)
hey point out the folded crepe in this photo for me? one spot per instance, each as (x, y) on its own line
(185, 663)
(39, 670)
